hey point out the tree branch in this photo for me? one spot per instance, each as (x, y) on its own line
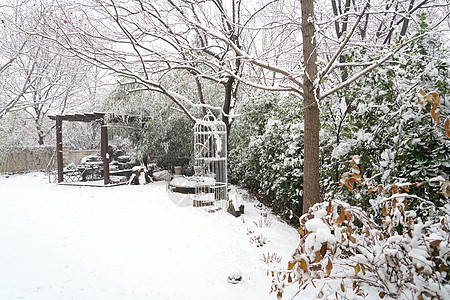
(367, 70)
(344, 43)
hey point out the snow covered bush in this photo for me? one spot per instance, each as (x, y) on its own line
(347, 252)
(267, 157)
(381, 119)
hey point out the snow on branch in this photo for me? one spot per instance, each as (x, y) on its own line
(244, 55)
(366, 70)
(344, 43)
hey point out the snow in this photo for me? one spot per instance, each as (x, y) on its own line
(190, 182)
(128, 242)
(342, 149)
(315, 225)
(320, 233)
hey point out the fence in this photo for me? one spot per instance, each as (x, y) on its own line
(38, 159)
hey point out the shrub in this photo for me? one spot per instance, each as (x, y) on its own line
(381, 119)
(268, 156)
(347, 252)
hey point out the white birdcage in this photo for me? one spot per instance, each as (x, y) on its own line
(210, 154)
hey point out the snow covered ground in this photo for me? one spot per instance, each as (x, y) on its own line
(128, 242)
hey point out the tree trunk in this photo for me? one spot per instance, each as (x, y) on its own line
(311, 191)
(227, 103)
(40, 139)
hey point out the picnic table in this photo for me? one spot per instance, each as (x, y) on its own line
(91, 170)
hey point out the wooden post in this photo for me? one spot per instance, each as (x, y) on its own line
(59, 149)
(104, 153)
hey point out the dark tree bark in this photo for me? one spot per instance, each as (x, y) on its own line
(311, 190)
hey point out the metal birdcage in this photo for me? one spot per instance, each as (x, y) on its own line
(210, 154)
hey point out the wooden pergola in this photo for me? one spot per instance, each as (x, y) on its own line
(102, 119)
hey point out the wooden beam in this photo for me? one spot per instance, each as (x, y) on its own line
(69, 118)
(104, 153)
(59, 148)
(91, 116)
(99, 115)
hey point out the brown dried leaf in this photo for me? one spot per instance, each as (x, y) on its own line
(357, 178)
(380, 189)
(303, 265)
(384, 212)
(356, 171)
(435, 114)
(341, 217)
(318, 257)
(342, 287)
(323, 249)
(348, 215)
(445, 189)
(382, 294)
(443, 268)
(352, 239)
(435, 97)
(300, 231)
(447, 127)
(329, 266)
(406, 188)
(291, 264)
(329, 207)
(351, 162)
(421, 96)
(395, 189)
(435, 243)
(357, 269)
(348, 185)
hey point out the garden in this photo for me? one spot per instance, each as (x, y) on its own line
(129, 129)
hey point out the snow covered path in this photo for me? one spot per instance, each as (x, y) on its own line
(128, 242)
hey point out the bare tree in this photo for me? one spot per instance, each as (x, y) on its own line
(143, 42)
(36, 78)
(13, 87)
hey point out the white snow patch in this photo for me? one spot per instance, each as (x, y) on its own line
(316, 224)
(127, 242)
